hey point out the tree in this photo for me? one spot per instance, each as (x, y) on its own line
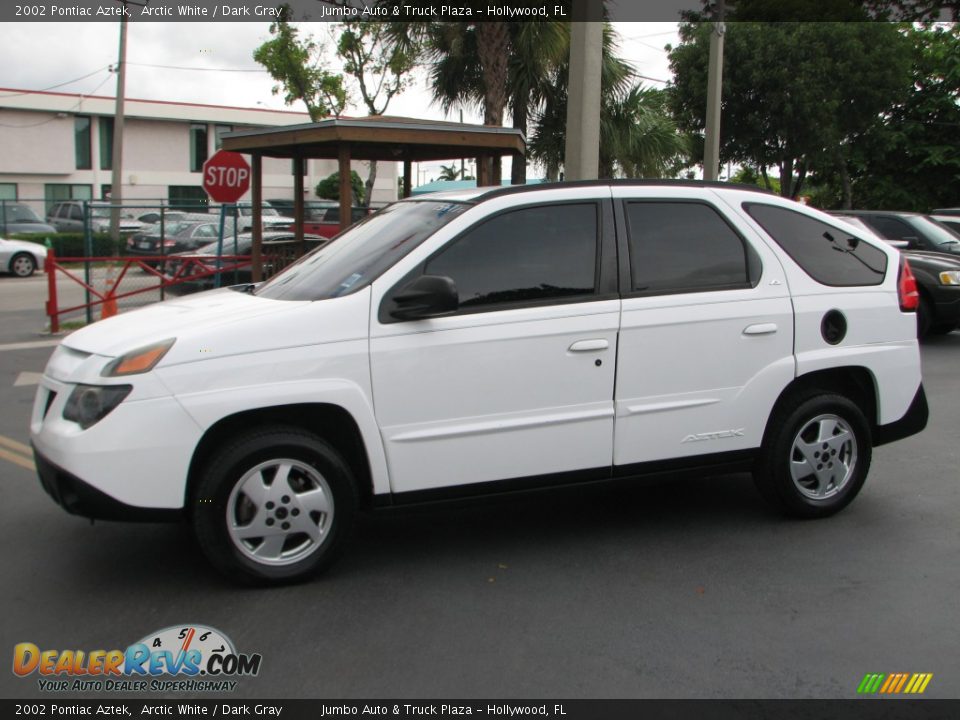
(449, 172)
(297, 66)
(329, 187)
(380, 68)
(637, 136)
(469, 60)
(909, 158)
(794, 94)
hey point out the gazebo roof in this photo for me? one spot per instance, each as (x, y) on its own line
(379, 138)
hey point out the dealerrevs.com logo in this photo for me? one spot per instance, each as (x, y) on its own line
(180, 658)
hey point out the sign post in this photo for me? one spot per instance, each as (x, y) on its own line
(226, 178)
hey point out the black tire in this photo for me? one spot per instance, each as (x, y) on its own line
(23, 265)
(945, 329)
(797, 421)
(312, 465)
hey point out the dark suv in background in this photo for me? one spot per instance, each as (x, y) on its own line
(920, 232)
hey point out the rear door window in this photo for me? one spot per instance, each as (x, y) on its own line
(829, 255)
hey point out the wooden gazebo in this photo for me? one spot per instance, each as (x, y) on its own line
(388, 139)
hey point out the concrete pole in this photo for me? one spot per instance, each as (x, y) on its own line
(116, 176)
(711, 150)
(582, 152)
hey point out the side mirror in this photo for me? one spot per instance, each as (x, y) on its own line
(427, 296)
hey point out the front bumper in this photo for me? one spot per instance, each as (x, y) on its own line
(80, 498)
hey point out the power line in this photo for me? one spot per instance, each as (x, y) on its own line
(79, 102)
(67, 82)
(204, 69)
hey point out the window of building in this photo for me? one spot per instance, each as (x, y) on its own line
(827, 254)
(81, 135)
(105, 191)
(8, 191)
(190, 198)
(534, 254)
(684, 247)
(106, 142)
(198, 146)
(55, 192)
(218, 132)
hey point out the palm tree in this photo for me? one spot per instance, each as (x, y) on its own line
(637, 136)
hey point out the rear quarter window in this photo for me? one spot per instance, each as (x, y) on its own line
(829, 255)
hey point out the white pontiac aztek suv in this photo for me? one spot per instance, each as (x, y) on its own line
(489, 340)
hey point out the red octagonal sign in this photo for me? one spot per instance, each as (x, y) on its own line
(226, 176)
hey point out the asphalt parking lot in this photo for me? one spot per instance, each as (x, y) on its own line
(683, 590)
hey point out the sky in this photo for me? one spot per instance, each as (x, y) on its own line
(213, 63)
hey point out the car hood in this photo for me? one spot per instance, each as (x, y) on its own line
(183, 318)
(932, 260)
(30, 227)
(31, 247)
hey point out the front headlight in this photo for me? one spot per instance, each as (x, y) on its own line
(138, 361)
(89, 404)
(950, 277)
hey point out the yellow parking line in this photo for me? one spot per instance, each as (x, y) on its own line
(16, 446)
(17, 459)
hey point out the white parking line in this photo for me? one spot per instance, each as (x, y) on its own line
(29, 345)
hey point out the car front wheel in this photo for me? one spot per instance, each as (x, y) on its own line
(816, 455)
(23, 265)
(274, 506)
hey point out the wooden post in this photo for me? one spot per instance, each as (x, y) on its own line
(407, 172)
(298, 205)
(256, 216)
(483, 171)
(346, 191)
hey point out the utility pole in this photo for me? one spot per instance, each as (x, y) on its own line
(116, 175)
(582, 152)
(711, 150)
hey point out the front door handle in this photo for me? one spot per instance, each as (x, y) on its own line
(589, 345)
(760, 329)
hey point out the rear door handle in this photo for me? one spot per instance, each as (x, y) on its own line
(589, 345)
(760, 329)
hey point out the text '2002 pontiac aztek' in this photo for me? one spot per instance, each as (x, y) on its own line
(488, 340)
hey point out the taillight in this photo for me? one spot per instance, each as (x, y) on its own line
(907, 288)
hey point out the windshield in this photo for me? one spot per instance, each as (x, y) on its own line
(359, 254)
(938, 233)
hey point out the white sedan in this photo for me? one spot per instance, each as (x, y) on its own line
(20, 257)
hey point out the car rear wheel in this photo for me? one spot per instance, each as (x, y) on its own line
(274, 506)
(816, 455)
(23, 265)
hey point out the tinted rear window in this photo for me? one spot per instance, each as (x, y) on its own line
(829, 255)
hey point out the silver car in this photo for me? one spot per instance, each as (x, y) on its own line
(20, 257)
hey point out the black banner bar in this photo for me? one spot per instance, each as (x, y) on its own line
(858, 709)
(455, 10)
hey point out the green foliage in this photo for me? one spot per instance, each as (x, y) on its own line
(749, 176)
(795, 94)
(380, 68)
(71, 244)
(909, 159)
(637, 136)
(329, 187)
(295, 64)
(449, 172)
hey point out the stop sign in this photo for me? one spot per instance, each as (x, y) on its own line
(226, 176)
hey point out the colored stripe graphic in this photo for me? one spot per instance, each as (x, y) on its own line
(895, 683)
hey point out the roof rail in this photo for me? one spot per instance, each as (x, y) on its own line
(511, 189)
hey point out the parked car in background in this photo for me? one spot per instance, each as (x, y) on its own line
(321, 217)
(67, 216)
(920, 232)
(179, 236)
(279, 248)
(21, 218)
(155, 216)
(938, 282)
(950, 221)
(20, 257)
(243, 212)
(955, 212)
